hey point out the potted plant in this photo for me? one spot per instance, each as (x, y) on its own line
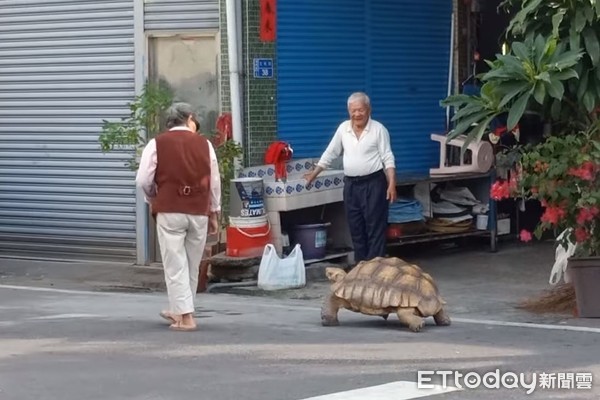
(562, 173)
(552, 69)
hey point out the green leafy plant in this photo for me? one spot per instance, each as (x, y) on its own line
(227, 154)
(553, 70)
(145, 115)
(575, 23)
(570, 20)
(535, 71)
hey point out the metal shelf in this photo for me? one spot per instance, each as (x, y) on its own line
(433, 236)
(328, 257)
(482, 180)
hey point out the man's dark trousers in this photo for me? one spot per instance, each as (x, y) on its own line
(367, 214)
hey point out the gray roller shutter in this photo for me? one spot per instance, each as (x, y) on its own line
(185, 15)
(64, 67)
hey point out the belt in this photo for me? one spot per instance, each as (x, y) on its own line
(188, 190)
(365, 177)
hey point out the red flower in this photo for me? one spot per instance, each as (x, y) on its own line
(586, 171)
(581, 235)
(553, 215)
(587, 214)
(500, 190)
(525, 236)
(500, 131)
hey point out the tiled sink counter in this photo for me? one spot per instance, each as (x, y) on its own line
(294, 193)
(285, 196)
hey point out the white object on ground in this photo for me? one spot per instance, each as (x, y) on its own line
(277, 273)
(561, 259)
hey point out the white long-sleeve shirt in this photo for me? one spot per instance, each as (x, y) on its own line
(361, 156)
(147, 169)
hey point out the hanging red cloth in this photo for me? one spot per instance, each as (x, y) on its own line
(224, 129)
(268, 20)
(278, 153)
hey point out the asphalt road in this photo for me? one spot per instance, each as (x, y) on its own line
(67, 345)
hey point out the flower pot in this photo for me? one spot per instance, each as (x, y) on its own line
(585, 276)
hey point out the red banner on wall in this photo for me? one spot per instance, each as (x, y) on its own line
(268, 20)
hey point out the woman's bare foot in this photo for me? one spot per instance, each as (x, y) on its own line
(186, 323)
(168, 317)
(179, 326)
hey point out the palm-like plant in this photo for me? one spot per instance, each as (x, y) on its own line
(536, 70)
(552, 68)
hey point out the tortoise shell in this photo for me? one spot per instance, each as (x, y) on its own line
(382, 284)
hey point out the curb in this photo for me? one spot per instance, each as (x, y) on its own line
(314, 273)
(152, 278)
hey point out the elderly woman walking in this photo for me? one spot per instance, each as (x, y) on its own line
(179, 175)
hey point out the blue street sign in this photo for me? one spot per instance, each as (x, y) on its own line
(263, 68)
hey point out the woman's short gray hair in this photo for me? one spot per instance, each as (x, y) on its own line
(179, 113)
(359, 96)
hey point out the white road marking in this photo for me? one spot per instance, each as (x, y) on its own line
(69, 291)
(528, 325)
(67, 316)
(488, 322)
(400, 390)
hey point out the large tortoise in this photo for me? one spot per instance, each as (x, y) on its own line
(382, 286)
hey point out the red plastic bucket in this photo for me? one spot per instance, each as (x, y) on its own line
(247, 237)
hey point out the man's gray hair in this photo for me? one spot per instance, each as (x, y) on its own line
(178, 114)
(359, 96)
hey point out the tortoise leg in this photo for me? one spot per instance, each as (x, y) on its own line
(441, 318)
(385, 316)
(329, 310)
(409, 317)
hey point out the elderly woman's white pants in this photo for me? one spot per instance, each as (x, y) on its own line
(182, 239)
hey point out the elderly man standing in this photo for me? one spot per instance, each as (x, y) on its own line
(370, 176)
(179, 173)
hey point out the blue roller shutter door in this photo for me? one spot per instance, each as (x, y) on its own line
(396, 51)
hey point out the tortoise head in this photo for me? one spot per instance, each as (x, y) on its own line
(335, 274)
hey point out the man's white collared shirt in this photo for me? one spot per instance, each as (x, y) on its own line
(361, 156)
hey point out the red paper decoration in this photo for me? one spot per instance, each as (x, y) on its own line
(268, 14)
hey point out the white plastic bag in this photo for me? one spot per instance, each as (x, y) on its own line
(561, 260)
(277, 273)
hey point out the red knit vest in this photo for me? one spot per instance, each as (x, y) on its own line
(182, 173)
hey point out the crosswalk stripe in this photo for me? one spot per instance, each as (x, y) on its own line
(400, 390)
